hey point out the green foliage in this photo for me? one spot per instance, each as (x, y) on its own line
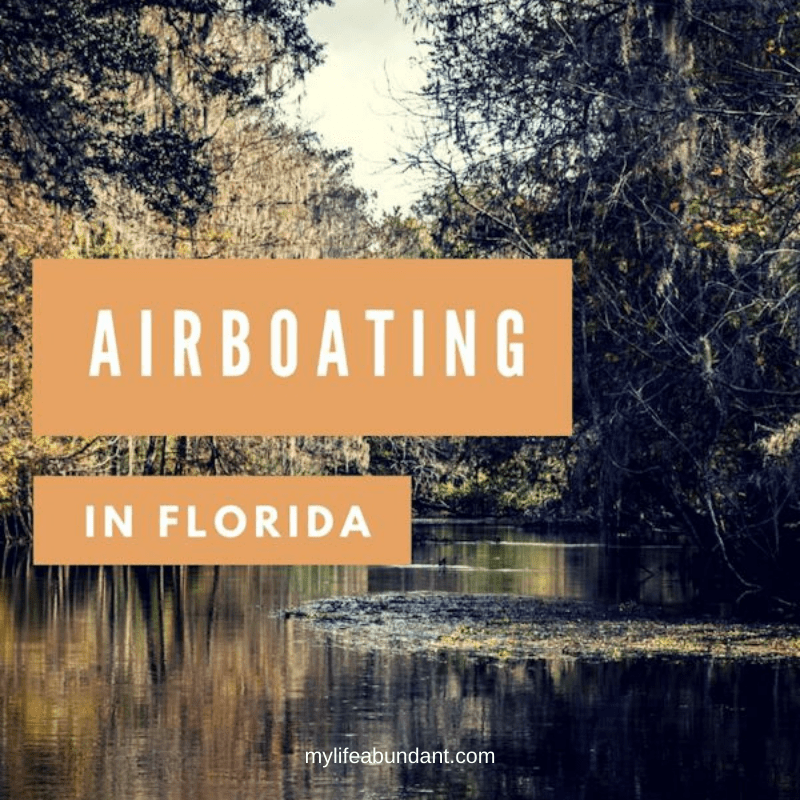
(474, 476)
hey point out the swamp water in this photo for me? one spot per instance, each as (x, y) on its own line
(129, 683)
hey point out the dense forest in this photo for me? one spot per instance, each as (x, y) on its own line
(652, 142)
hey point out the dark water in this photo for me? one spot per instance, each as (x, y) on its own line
(124, 683)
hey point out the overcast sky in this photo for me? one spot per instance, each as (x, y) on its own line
(348, 100)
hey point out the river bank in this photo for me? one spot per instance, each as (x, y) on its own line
(503, 627)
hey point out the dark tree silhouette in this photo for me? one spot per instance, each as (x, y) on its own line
(653, 143)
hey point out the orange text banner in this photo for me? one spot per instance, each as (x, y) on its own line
(383, 347)
(222, 520)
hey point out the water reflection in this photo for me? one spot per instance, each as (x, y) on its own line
(190, 683)
(460, 558)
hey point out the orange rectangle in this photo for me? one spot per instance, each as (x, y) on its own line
(222, 520)
(386, 347)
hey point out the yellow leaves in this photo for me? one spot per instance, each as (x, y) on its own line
(780, 443)
(737, 230)
(736, 216)
(714, 223)
(97, 241)
(774, 49)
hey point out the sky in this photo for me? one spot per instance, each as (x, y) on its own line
(369, 58)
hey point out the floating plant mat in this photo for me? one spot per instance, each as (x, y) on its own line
(515, 628)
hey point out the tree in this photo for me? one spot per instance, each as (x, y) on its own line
(651, 142)
(149, 130)
(71, 70)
